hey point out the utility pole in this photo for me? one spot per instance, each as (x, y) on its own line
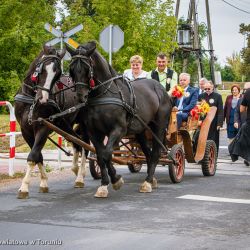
(195, 44)
(211, 49)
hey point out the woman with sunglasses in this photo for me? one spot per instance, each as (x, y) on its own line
(229, 110)
(213, 99)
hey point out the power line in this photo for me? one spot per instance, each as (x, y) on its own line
(235, 7)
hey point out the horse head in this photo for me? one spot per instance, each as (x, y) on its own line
(46, 72)
(82, 69)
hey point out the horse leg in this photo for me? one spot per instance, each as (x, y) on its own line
(81, 173)
(23, 191)
(102, 191)
(146, 186)
(114, 138)
(43, 184)
(35, 156)
(75, 167)
(155, 155)
(28, 136)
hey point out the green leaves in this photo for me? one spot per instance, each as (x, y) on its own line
(22, 35)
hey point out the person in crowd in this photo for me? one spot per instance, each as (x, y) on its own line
(229, 109)
(202, 83)
(189, 99)
(213, 99)
(136, 71)
(163, 74)
(240, 117)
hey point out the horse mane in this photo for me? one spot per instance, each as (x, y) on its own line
(107, 67)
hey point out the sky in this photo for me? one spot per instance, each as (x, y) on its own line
(225, 21)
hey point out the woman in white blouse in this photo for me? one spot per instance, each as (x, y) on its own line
(135, 72)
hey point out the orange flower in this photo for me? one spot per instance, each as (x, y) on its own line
(177, 91)
(200, 110)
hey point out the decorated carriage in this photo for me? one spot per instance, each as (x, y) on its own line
(108, 105)
(187, 143)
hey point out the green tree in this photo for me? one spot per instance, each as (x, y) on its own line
(245, 52)
(235, 63)
(149, 26)
(227, 74)
(22, 35)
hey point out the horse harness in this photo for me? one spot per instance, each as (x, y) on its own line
(30, 99)
(98, 100)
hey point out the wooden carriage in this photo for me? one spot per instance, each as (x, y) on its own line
(187, 143)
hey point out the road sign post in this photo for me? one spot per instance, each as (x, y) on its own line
(62, 37)
(111, 39)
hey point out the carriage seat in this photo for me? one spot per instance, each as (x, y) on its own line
(191, 124)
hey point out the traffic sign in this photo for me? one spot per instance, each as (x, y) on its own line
(111, 39)
(112, 35)
(63, 37)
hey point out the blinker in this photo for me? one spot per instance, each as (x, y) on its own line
(91, 83)
(59, 85)
(34, 77)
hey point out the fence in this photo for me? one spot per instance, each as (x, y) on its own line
(12, 134)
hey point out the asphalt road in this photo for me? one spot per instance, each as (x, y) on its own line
(199, 213)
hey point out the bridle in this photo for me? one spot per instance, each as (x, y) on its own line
(38, 71)
(88, 62)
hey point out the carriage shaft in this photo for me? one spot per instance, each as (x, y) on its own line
(76, 140)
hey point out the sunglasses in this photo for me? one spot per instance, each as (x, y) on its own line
(207, 89)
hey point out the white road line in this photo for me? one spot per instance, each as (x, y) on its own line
(223, 147)
(211, 198)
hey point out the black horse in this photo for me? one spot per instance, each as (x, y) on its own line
(39, 96)
(115, 108)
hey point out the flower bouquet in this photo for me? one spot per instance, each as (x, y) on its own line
(200, 110)
(177, 91)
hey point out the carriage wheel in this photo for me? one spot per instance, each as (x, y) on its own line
(176, 170)
(209, 162)
(135, 167)
(94, 169)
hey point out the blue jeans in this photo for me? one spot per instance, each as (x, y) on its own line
(181, 117)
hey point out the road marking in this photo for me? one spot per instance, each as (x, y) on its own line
(212, 198)
(223, 147)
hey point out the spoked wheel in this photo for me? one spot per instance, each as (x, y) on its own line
(135, 167)
(94, 169)
(176, 170)
(209, 162)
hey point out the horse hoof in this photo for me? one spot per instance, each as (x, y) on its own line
(118, 184)
(75, 170)
(146, 187)
(102, 192)
(154, 183)
(23, 195)
(43, 189)
(79, 184)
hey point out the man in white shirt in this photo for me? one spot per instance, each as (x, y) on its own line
(163, 74)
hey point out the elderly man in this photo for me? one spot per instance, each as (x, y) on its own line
(189, 99)
(241, 144)
(214, 99)
(202, 83)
